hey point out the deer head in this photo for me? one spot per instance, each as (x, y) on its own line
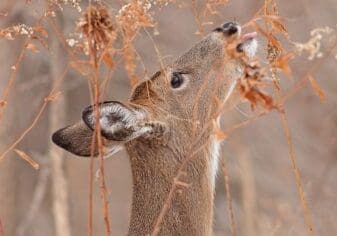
(165, 118)
(177, 98)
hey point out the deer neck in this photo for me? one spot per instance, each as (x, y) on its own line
(154, 167)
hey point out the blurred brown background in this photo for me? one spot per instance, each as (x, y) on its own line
(263, 185)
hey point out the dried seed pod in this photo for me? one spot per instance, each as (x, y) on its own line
(96, 25)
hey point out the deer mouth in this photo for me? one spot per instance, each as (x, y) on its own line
(248, 44)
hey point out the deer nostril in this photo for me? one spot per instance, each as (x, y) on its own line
(230, 28)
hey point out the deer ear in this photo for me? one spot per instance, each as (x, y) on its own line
(76, 139)
(119, 122)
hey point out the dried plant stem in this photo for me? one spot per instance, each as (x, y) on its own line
(60, 36)
(166, 207)
(101, 164)
(14, 72)
(305, 207)
(197, 17)
(97, 134)
(12, 77)
(314, 68)
(292, 156)
(27, 158)
(18, 140)
(91, 184)
(176, 183)
(229, 197)
(37, 117)
(272, 57)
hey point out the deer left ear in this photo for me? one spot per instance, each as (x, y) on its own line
(119, 122)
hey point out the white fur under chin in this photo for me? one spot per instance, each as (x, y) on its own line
(214, 158)
(214, 161)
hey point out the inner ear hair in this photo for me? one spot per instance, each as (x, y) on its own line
(114, 112)
(120, 122)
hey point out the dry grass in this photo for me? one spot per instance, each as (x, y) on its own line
(103, 40)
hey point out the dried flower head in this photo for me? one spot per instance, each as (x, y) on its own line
(60, 3)
(11, 32)
(96, 25)
(313, 45)
(161, 2)
(134, 15)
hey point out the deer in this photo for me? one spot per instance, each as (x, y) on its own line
(168, 118)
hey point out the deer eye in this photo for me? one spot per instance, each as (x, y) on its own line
(177, 80)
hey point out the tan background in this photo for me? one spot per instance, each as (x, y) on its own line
(263, 186)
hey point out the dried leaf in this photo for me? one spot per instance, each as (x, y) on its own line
(317, 89)
(282, 63)
(278, 26)
(249, 87)
(272, 40)
(255, 97)
(27, 158)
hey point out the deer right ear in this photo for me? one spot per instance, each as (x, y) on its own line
(119, 122)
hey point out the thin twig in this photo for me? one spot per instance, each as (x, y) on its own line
(36, 119)
(312, 69)
(299, 184)
(181, 172)
(292, 157)
(229, 197)
(14, 73)
(97, 134)
(12, 77)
